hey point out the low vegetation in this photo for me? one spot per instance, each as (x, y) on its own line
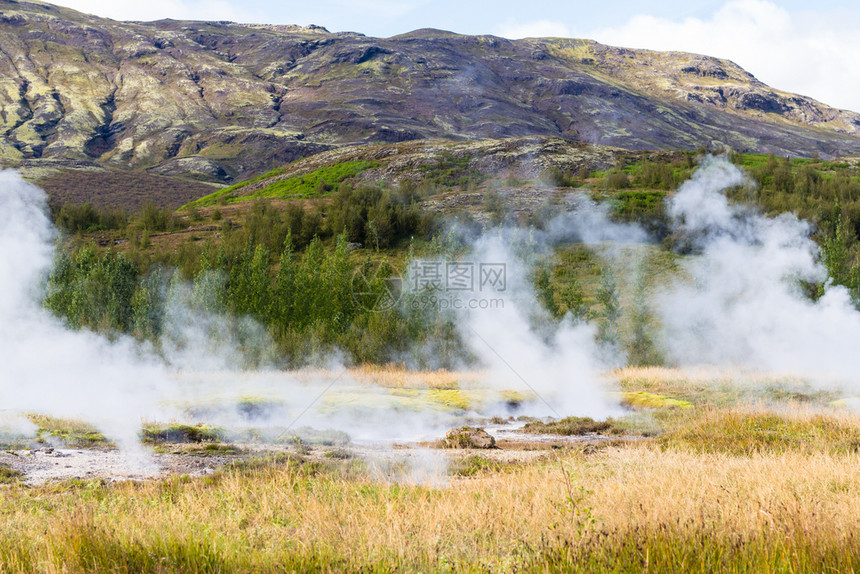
(9, 475)
(748, 431)
(316, 183)
(571, 426)
(121, 190)
(727, 484)
(179, 433)
(646, 400)
(211, 449)
(477, 465)
(316, 437)
(67, 432)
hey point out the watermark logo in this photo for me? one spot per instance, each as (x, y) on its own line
(431, 285)
(493, 277)
(457, 276)
(377, 286)
(442, 302)
(457, 285)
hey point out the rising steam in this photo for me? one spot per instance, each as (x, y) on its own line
(740, 303)
(45, 367)
(744, 303)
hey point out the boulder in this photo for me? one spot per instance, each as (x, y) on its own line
(468, 437)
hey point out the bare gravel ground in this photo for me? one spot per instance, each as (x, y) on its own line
(45, 465)
(398, 462)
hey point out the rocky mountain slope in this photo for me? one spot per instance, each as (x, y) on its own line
(219, 101)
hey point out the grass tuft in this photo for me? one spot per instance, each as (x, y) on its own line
(211, 449)
(475, 465)
(158, 433)
(313, 437)
(749, 430)
(9, 475)
(70, 433)
(572, 426)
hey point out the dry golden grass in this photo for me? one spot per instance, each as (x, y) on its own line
(770, 486)
(736, 494)
(533, 517)
(756, 428)
(668, 380)
(393, 376)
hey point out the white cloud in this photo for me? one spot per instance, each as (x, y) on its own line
(158, 9)
(536, 29)
(810, 53)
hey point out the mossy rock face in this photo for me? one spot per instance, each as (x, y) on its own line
(469, 437)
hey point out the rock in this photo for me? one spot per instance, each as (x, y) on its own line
(195, 167)
(469, 437)
(768, 103)
(706, 69)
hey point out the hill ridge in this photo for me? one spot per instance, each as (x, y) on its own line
(221, 101)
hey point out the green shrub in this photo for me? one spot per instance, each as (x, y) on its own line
(571, 426)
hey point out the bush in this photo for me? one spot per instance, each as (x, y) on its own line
(617, 180)
(76, 218)
(152, 218)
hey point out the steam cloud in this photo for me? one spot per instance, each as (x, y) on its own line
(563, 366)
(741, 304)
(744, 305)
(45, 367)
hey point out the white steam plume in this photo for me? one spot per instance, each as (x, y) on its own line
(744, 305)
(45, 367)
(560, 366)
(117, 384)
(508, 331)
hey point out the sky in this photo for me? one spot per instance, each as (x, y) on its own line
(786, 44)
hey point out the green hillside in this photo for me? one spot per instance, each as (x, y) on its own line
(287, 251)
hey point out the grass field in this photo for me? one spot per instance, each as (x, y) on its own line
(752, 474)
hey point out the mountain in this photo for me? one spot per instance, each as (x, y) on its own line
(221, 101)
